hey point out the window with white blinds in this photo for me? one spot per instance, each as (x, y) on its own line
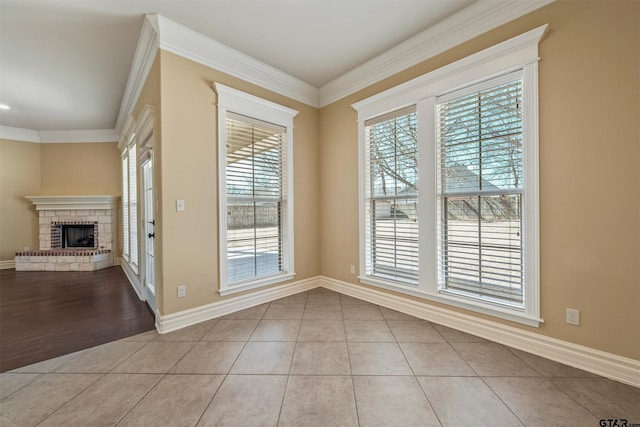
(255, 182)
(255, 153)
(391, 223)
(125, 205)
(448, 166)
(133, 205)
(480, 176)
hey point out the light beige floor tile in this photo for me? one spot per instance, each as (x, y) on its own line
(48, 365)
(435, 359)
(246, 400)
(323, 312)
(284, 311)
(493, 360)
(145, 336)
(549, 368)
(345, 299)
(154, 358)
(190, 333)
(276, 330)
(209, 357)
(253, 313)
(321, 330)
(231, 330)
(361, 312)
(323, 298)
(12, 382)
(300, 298)
(36, 401)
(177, 400)
(537, 402)
(395, 315)
(414, 331)
(392, 401)
(322, 290)
(466, 402)
(368, 331)
(101, 359)
(319, 401)
(320, 358)
(266, 358)
(105, 402)
(377, 359)
(603, 397)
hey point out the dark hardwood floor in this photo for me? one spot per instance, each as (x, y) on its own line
(48, 314)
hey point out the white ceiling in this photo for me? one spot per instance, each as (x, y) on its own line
(64, 64)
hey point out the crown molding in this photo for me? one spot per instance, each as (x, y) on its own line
(142, 61)
(470, 22)
(78, 136)
(19, 134)
(192, 45)
(58, 136)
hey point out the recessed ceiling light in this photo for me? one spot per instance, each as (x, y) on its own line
(4, 107)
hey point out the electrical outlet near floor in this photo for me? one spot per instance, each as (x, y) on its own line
(352, 269)
(573, 316)
(182, 291)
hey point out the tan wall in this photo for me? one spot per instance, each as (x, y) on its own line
(19, 177)
(189, 172)
(589, 181)
(80, 169)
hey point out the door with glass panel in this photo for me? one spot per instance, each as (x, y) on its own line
(149, 235)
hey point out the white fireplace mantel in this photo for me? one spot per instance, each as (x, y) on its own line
(44, 203)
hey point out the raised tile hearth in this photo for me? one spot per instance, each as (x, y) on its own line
(55, 212)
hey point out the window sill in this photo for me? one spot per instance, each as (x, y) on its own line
(513, 315)
(234, 289)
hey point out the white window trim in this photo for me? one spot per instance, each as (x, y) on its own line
(520, 52)
(233, 100)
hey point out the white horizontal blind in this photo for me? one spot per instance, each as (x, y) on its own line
(125, 205)
(133, 205)
(391, 200)
(480, 177)
(255, 182)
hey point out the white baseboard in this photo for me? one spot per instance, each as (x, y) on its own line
(608, 365)
(5, 265)
(174, 321)
(133, 279)
(118, 261)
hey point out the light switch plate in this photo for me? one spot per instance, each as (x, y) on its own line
(180, 205)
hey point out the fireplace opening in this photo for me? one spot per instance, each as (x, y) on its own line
(78, 236)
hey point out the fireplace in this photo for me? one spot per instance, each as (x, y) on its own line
(77, 233)
(78, 236)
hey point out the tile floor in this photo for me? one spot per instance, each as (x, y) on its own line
(315, 358)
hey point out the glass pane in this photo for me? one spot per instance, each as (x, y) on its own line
(392, 148)
(482, 246)
(394, 239)
(254, 241)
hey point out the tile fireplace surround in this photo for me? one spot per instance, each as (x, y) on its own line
(54, 211)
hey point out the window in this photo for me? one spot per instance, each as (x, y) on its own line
(392, 196)
(125, 205)
(479, 150)
(129, 199)
(449, 184)
(256, 216)
(133, 203)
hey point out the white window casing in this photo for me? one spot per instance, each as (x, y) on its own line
(255, 191)
(514, 59)
(125, 204)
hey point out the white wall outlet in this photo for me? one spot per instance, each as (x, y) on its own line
(573, 316)
(182, 291)
(352, 270)
(180, 205)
